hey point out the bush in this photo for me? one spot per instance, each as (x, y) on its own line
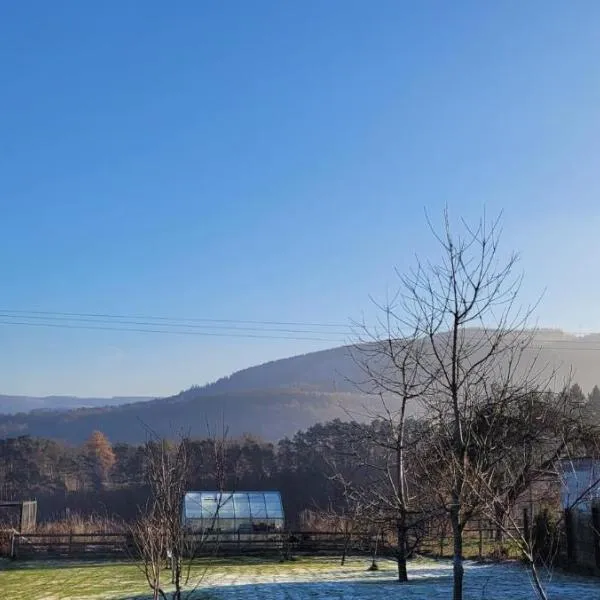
(545, 537)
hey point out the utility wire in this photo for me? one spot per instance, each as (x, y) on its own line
(230, 328)
(193, 326)
(173, 319)
(174, 331)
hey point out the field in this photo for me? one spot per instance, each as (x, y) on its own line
(317, 579)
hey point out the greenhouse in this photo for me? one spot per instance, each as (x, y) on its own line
(233, 512)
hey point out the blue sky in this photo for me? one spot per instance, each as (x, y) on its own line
(272, 161)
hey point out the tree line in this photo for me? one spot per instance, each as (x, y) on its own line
(111, 479)
(102, 478)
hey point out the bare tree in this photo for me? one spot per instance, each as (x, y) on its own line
(463, 310)
(161, 534)
(149, 538)
(350, 521)
(347, 518)
(389, 362)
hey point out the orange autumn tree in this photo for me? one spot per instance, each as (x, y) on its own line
(101, 458)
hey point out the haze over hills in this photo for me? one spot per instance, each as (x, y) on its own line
(12, 404)
(274, 399)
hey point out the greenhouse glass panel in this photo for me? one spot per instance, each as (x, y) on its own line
(193, 506)
(258, 508)
(273, 504)
(242, 505)
(240, 512)
(225, 508)
(210, 504)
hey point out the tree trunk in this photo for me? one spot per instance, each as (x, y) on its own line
(401, 551)
(177, 576)
(347, 537)
(345, 549)
(500, 517)
(458, 568)
(539, 588)
(374, 566)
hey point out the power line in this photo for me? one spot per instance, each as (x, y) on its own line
(172, 331)
(229, 328)
(174, 319)
(148, 323)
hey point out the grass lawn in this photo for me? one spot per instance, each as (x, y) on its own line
(71, 580)
(305, 578)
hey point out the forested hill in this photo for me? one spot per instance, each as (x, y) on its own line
(274, 399)
(270, 414)
(336, 370)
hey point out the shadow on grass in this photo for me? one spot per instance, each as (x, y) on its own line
(497, 582)
(375, 589)
(482, 582)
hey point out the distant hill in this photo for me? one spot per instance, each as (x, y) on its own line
(268, 413)
(20, 404)
(274, 399)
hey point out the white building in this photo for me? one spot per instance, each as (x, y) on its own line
(581, 483)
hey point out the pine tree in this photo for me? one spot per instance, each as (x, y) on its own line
(593, 403)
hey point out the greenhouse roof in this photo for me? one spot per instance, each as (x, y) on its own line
(233, 505)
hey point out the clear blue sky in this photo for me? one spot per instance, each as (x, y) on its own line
(271, 161)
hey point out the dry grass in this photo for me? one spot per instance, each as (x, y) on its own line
(79, 525)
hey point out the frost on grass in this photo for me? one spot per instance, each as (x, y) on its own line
(427, 580)
(316, 579)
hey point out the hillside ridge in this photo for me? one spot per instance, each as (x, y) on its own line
(274, 399)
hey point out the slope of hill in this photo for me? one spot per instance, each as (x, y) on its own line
(268, 413)
(19, 404)
(331, 370)
(277, 398)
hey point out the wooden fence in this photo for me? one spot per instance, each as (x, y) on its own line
(479, 542)
(74, 545)
(121, 545)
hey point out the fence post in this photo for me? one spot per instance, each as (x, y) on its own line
(480, 540)
(596, 532)
(570, 535)
(14, 545)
